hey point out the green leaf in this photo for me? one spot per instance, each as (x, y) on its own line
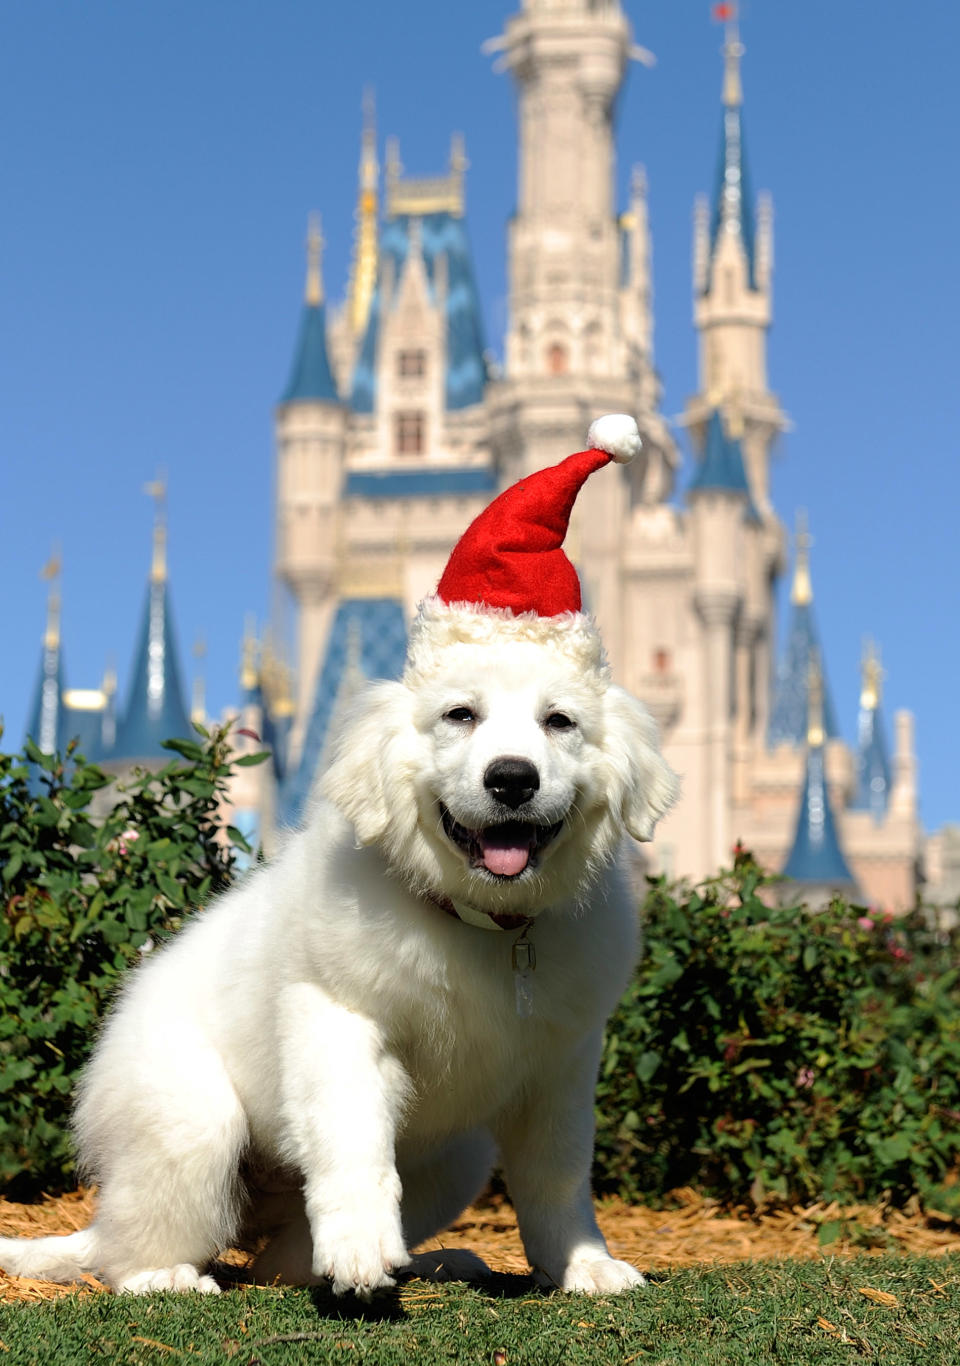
(188, 748)
(171, 889)
(248, 760)
(647, 1064)
(13, 865)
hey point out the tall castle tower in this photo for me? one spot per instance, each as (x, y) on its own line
(579, 334)
(311, 428)
(733, 420)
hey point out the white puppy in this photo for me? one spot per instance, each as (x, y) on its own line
(329, 1059)
(334, 1027)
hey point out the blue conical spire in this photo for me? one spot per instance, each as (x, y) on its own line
(311, 379)
(790, 708)
(732, 203)
(155, 709)
(816, 858)
(873, 766)
(721, 466)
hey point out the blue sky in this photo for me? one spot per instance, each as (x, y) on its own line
(159, 161)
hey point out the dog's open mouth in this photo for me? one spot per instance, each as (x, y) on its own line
(506, 850)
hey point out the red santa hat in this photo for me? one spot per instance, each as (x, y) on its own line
(511, 556)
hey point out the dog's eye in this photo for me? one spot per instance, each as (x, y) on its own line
(558, 720)
(460, 715)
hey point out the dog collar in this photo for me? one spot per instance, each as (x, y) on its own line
(470, 915)
(523, 955)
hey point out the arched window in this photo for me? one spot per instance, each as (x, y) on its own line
(557, 360)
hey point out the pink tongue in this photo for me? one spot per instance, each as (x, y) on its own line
(502, 855)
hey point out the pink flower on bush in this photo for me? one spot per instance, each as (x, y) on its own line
(865, 922)
(805, 1078)
(126, 839)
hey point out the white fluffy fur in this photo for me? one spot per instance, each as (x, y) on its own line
(328, 1057)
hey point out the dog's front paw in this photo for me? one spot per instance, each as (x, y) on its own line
(359, 1251)
(594, 1275)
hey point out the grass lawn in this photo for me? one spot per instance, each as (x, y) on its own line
(900, 1309)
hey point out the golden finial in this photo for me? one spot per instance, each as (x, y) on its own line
(314, 291)
(814, 702)
(50, 573)
(733, 50)
(801, 592)
(363, 268)
(157, 490)
(871, 674)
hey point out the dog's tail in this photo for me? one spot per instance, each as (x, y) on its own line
(61, 1258)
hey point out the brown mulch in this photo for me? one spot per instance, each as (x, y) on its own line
(692, 1230)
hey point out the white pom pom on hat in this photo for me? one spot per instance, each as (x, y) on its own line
(617, 434)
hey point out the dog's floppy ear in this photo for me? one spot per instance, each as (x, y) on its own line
(648, 784)
(370, 777)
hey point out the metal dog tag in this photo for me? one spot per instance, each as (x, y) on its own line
(524, 960)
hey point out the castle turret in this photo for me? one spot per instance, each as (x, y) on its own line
(579, 328)
(155, 708)
(873, 766)
(310, 437)
(816, 862)
(790, 706)
(733, 265)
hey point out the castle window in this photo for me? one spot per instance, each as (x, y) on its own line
(411, 364)
(557, 359)
(661, 661)
(409, 433)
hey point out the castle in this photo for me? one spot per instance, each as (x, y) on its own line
(395, 429)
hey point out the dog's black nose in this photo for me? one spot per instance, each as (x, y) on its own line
(511, 781)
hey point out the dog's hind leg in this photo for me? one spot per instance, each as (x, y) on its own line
(166, 1153)
(437, 1186)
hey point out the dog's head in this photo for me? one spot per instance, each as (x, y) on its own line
(502, 771)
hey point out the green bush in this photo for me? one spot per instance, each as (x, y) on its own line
(82, 898)
(768, 1054)
(760, 1053)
